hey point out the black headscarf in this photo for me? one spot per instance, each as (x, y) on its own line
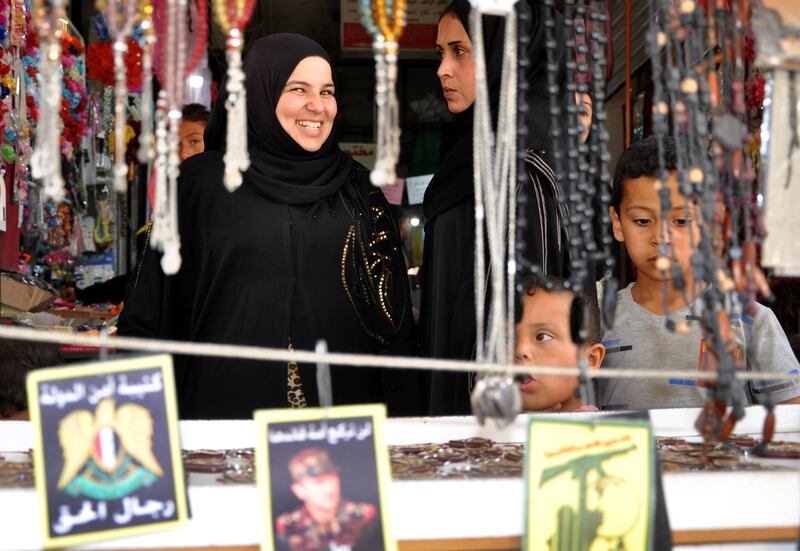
(279, 168)
(453, 181)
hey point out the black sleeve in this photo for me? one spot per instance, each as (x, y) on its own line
(141, 313)
(401, 386)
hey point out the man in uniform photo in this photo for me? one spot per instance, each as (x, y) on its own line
(325, 522)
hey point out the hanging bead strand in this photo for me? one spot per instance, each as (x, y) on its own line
(120, 26)
(164, 235)
(385, 20)
(146, 152)
(232, 16)
(46, 159)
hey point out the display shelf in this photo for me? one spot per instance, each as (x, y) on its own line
(704, 507)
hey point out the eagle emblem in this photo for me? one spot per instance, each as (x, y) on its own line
(108, 454)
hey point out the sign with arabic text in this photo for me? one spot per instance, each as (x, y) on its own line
(107, 456)
(590, 484)
(323, 479)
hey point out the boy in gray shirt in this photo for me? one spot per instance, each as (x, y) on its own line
(639, 338)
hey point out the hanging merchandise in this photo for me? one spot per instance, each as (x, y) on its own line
(46, 160)
(146, 152)
(174, 65)
(232, 16)
(120, 18)
(74, 112)
(494, 158)
(576, 164)
(718, 186)
(385, 20)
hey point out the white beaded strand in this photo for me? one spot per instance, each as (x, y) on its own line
(387, 150)
(46, 158)
(237, 158)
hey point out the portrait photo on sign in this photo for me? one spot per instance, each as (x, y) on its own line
(323, 479)
(106, 452)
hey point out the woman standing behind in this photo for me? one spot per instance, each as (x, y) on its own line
(447, 318)
(305, 249)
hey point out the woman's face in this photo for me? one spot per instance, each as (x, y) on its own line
(586, 117)
(457, 69)
(307, 105)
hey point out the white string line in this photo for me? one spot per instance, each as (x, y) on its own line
(244, 352)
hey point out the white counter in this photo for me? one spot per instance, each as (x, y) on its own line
(443, 509)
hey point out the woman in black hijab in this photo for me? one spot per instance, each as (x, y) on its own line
(304, 250)
(447, 317)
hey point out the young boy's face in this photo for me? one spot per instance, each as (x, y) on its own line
(640, 226)
(543, 338)
(191, 138)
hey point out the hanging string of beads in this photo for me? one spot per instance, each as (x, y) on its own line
(146, 152)
(172, 26)
(121, 19)
(172, 34)
(46, 159)
(232, 16)
(385, 20)
(687, 85)
(495, 176)
(598, 148)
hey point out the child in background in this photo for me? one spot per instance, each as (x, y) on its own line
(543, 338)
(193, 125)
(639, 338)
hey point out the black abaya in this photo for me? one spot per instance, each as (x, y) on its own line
(272, 264)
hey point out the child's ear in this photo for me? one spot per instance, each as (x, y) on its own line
(616, 225)
(595, 354)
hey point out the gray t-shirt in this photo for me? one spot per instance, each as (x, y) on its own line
(639, 340)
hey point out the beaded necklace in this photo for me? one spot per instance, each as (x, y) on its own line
(121, 20)
(46, 159)
(689, 86)
(597, 33)
(146, 153)
(168, 116)
(495, 176)
(232, 16)
(384, 20)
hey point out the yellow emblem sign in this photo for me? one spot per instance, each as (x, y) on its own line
(590, 485)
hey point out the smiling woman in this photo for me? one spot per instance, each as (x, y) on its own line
(305, 249)
(307, 106)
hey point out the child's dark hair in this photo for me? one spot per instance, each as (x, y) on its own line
(195, 112)
(641, 159)
(17, 358)
(589, 296)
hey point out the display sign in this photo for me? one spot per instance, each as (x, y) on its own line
(106, 451)
(364, 153)
(419, 34)
(590, 484)
(323, 479)
(416, 186)
(394, 192)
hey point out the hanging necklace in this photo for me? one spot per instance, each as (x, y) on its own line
(121, 20)
(146, 153)
(599, 150)
(232, 16)
(384, 20)
(495, 163)
(165, 235)
(46, 159)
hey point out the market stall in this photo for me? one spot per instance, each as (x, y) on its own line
(737, 504)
